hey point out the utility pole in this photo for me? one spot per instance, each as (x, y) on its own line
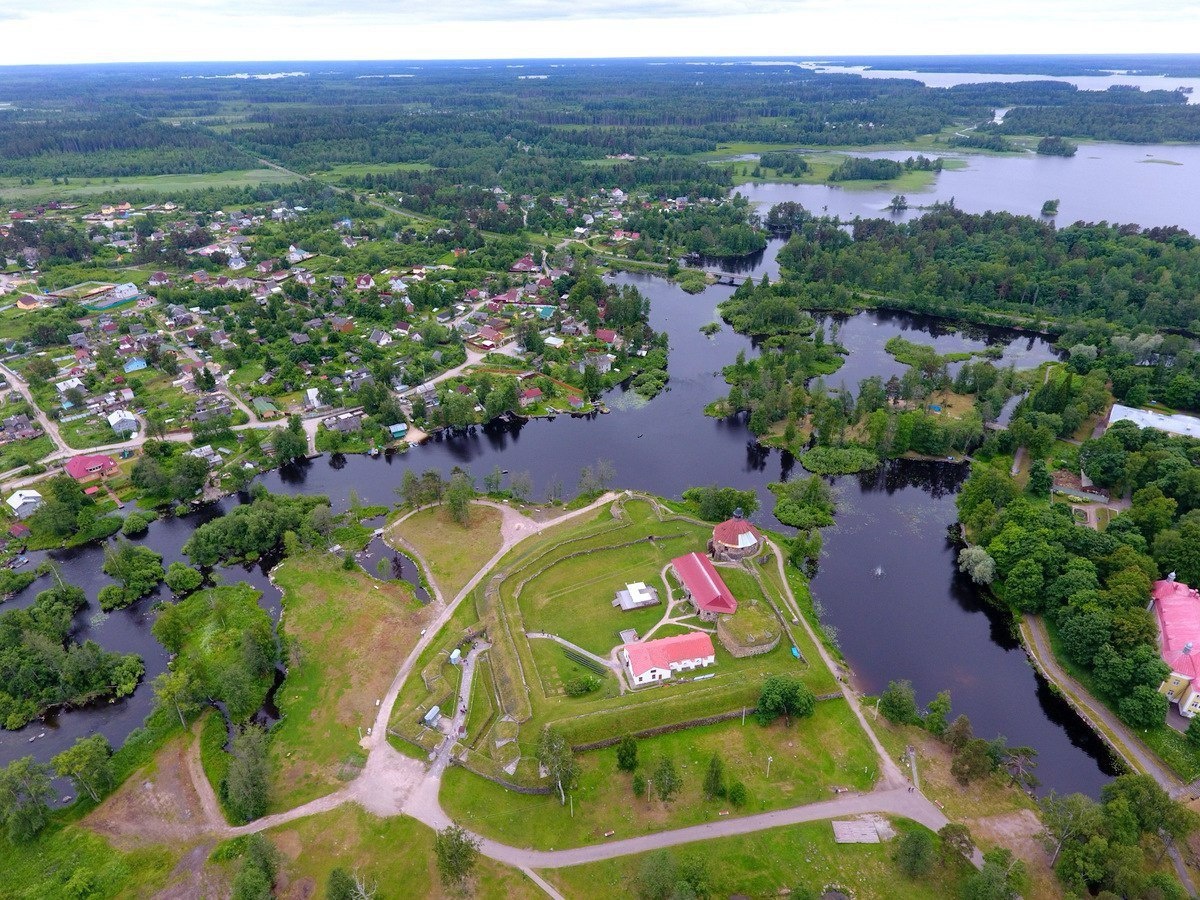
(769, 760)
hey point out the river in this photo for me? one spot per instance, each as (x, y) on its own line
(902, 625)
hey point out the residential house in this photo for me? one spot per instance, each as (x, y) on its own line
(346, 423)
(530, 396)
(264, 407)
(88, 466)
(379, 338)
(134, 365)
(160, 279)
(24, 503)
(123, 422)
(364, 283)
(647, 662)
(703, 586)
(299, 338)
(19, 428)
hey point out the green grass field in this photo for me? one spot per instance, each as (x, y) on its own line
(453, 552)
(355, 169)
(809, 759)
(802, 857)
(44, 188)
(396, 855)
(347, 634)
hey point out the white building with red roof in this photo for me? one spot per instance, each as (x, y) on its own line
(1177, 612)
(650, 661)
(703, 586)
(87, 466)
(735, 539)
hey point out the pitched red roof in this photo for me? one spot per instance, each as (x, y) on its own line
(89, 464)
(1177, 609)
(700, 577)
(606, 334)
(645, 655)
(731, 531)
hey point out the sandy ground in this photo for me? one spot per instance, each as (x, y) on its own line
(1018, 831)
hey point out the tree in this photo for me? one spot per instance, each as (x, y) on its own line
(915, 853)
(247, 783)
(456, 850)
(25, 794)
(639, 784)
(1001, 878)
(289, 446)
(1193, 732)
(459, 494)
(1145, 707)
(520, 485)
(784, 696)
(667, 782)
(737, 794)
(937, 713)
(183, 579)
(176, 688)
(493, 480)
(714, 778)
(87, 764)
(259, 866)
(898, 702)
(956, 842)
(1039, 480)
(627, 753)
(976, 562)
(556, 756)
(1020, 762)
(972, 762)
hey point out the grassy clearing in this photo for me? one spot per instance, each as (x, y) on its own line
(354, 169)
(347, 634)
(12, 189)
(996, 812)
(767, 862)
(809, 760)
(63, 856)
(395, 854)
(453, 552)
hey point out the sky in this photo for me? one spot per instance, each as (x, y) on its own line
(81, 31)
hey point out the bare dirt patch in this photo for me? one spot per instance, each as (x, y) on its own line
(1018, 832)
(157, 805)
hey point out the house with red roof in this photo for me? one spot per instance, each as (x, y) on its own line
(735, 539)
(703, 586)
(530, 396)
(87, 466)
(648, 662)
(1177, 612)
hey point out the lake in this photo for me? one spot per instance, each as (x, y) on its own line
(1146, 184)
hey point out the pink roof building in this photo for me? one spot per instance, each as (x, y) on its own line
(650, 661)
(704, 586)
(735, 538)
(90, 465)
(1177, 612)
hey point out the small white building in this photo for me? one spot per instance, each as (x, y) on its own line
(637, 595)
(24, 503)
(647, 662)
(122, 421)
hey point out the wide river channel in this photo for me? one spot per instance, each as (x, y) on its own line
(887, 581)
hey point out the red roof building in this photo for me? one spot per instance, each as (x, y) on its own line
(531, 396)
(703, 586)
(735, 539)
(650, 661)
(90, 465)
(1177, 612)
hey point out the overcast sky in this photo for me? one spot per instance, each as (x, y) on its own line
(58, 31)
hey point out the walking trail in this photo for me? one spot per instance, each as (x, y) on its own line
(393, 784)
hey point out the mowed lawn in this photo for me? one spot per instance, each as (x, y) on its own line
(348, 634)
(453, 552)
(395, 854)
(809, 760)
(765, 863)
(573, 597)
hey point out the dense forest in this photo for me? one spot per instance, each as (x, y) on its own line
(483, 125)
(951, 261)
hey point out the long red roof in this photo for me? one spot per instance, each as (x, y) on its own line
(700, 577)
(645, 655)
(1177, 608)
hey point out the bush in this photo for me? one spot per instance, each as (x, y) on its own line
(737, 794)
(579, 687)
(915, 853)
(899, 703)
(136, 523)
(627, 753)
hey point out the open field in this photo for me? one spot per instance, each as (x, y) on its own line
(354, 169)
(453, 552)
(800, 857)
(347, 633)
(809, 759)
(44, 188)
(394, 854)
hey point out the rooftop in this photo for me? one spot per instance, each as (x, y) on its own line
(737, 532)
(661, 653)
(700, 577)
(1148, 418)
(1177, 609)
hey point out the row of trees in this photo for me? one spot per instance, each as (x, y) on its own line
(26, 791)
